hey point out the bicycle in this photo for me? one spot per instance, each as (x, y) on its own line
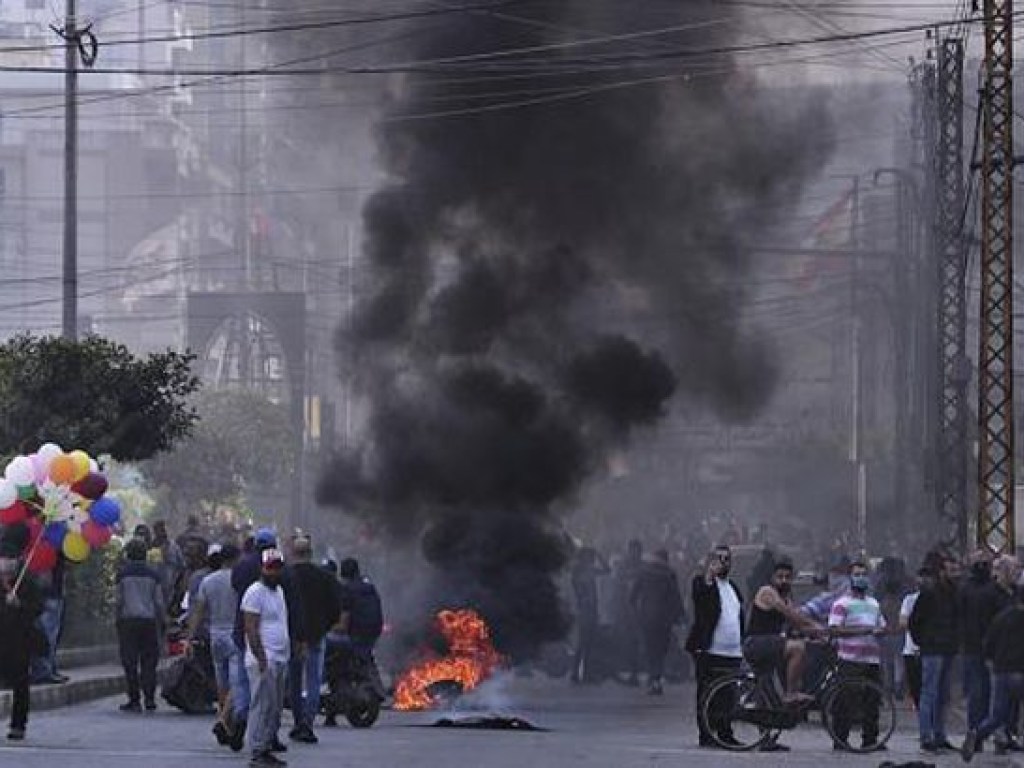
(745, 710)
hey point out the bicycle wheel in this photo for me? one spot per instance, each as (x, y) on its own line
(734, 711)
(862, 707)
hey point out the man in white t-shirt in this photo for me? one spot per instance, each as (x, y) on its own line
(911, 653)
(267, 650)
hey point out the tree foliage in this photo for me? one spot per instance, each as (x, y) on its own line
(242, 440)
(95, 395)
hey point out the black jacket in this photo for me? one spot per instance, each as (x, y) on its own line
(318, 592)
(935, 621)
(1003, 641)
(981, 600)
(707, 609)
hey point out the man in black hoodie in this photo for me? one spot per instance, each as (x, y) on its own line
(659, 607)
(1003, 646)
(321, 609)
(935, 628)
(716, 637)
(980, 601)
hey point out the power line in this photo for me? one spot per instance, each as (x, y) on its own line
(438, 64)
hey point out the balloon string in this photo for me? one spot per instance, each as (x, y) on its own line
(24, 568)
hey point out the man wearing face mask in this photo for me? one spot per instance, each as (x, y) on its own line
(716, 637)
(856, 620)
(980, 601)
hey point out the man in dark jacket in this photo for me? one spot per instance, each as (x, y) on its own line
(659, 607)
(20, 606)
(1003, 647)
(321, 610)
(980, 601)
(716, 637)
(935, 628)
(140, 616)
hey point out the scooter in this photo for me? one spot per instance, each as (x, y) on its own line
(354, 687)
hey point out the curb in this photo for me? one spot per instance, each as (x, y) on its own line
(67, 694)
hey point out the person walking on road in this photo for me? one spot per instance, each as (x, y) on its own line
(980, 601)
(1004, 648)
(935, 628)
(856, 620)
(140, 615)
(216, 604)
(716, 637)
(318, 596)
(588, 568)
(267, 653)
(659, 608)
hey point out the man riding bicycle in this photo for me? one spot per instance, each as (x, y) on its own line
(768, 644)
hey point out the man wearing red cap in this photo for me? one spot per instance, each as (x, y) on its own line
(266, 658)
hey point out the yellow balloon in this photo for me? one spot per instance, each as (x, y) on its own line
(76, 548)
(81, 462)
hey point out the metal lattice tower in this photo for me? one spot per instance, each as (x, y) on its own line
(954, 373)
(995, 374)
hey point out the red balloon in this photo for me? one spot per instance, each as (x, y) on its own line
(95, 534)
(35, 528)
(92, 486)
(42, 559)
(16, 513)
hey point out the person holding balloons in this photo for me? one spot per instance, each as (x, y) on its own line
(20, 606)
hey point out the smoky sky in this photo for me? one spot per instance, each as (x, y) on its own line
(558, 253)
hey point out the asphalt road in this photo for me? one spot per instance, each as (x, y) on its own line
(603, 727)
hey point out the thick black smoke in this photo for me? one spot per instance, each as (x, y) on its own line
(559, 250)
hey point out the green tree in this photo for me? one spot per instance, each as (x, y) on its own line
(93, 394)
(242, 441)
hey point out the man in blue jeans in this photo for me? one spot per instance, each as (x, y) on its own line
(216, 605)
(316, 593)
(935, 628)
(1004, 648)
(980, 600)
(51, 621)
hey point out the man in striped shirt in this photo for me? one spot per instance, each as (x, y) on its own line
(856, 620)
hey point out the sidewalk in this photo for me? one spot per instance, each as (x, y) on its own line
(86, 684)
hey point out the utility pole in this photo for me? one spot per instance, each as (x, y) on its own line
(995, 373)
(856, 398)
(951, 275)
(69, 319)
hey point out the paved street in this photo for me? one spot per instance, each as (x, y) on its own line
(606, 727)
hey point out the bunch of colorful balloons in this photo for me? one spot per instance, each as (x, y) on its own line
(60, 498)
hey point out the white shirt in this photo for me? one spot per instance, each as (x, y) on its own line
(727, 640)
(909, 646)
(269, 605)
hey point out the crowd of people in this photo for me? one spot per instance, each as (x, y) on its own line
(943, 618)
(266, 615)
(260, 611)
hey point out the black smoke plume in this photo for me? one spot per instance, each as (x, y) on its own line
(558, 251)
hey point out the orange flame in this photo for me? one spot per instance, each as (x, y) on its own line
(471, 659)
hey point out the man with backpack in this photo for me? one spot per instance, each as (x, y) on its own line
(362, 620)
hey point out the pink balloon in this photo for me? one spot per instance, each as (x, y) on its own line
(39, 467)
(95, 534)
